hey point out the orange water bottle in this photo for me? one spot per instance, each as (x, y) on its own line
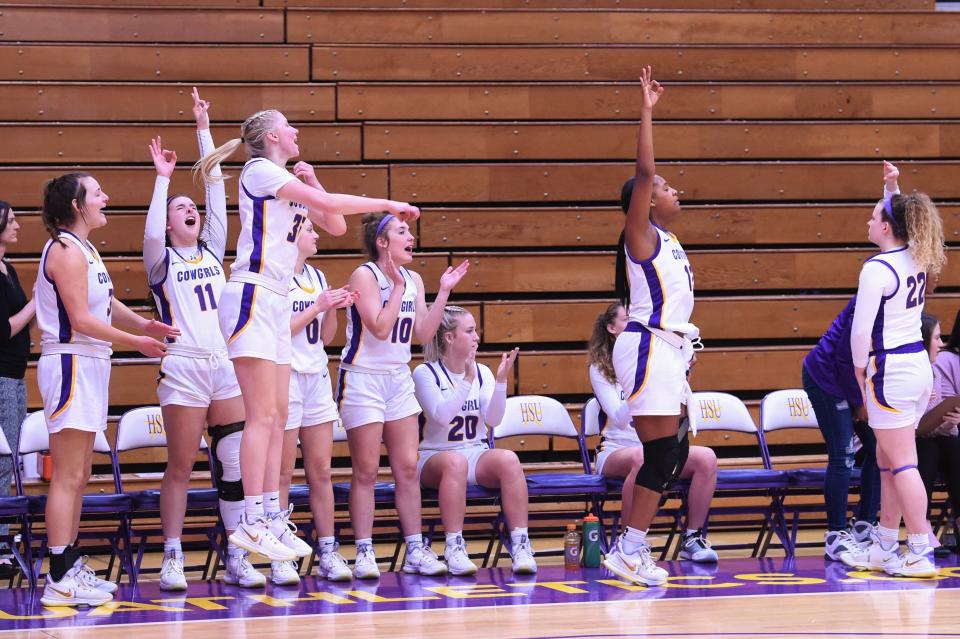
(571, 547)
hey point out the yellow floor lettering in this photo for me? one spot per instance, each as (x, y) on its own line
(375, 598)
(55, 612)
(780, 579)
(559, 586)
(477, 591)
(203, 603)
(111, 607)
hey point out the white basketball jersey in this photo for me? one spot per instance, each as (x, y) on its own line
(187, 296)
(269, 226)
(898, 318)
(52, 317)
(467, 427)
(613, 435)
(661, 287)
(365, 352)
(308, 353)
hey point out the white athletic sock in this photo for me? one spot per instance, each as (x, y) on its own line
(57, 550)
(365, 542)
(271, 502)
(452, 537)
(252, 507)
(633, 540)
(517, 535)
(889, 537)
(327, 544)
(918, 543)
(172, 544)
(414, 541)
(691, 531)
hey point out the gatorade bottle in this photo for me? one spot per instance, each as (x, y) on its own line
(571, 547)
(591, 541)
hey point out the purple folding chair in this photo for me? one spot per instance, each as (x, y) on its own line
(34, 438)
(713, 411)
(532, 415)
(15, 511)
(143, 428)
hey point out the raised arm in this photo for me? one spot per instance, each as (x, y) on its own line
(215, 225)
(493, 391)
(427, 321)
(890, 175)
(155, 229)
(326, 210)
(639, 234)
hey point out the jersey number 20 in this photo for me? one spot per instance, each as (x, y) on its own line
(463, 428)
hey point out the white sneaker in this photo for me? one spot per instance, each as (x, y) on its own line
(286, 531)
(871, 556)
(86, 574)
(423, 561)
(240, 572)
(837, 542)
(523, 561)
(861, 531)
(696, 548)
(365, 566)
(171, 572)
(71, 590)
(284, 573)
(458, 562)
(911, 564)
(333, 567)
(255, 536)
(639, 567)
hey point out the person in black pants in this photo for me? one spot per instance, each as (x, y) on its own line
(15, 316)
(938, 452)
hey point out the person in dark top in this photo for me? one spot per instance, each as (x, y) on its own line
(831, 385)
(15, 316)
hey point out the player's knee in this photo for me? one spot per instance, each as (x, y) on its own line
(664, 458)
(225, 444)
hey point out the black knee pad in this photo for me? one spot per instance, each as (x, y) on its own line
(663, 460)
(227, 489)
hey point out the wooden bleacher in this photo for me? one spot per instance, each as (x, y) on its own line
(513, 123)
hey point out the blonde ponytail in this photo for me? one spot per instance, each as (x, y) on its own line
(253, 134)
(435, 348)
(925, 231)
(203, 169)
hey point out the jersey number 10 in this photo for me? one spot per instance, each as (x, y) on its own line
(401, 331)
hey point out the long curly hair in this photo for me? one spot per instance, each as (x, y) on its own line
(600, 353)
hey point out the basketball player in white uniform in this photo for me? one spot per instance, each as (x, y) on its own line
(375, 391)
(460, 400)
(313, 414)
(893, 369)
(75, 311)
(197, 384)
(620, 455)
(254, 311)
(651, 357)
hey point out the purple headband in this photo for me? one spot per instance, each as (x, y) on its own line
(888, 209)
(386, 220)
